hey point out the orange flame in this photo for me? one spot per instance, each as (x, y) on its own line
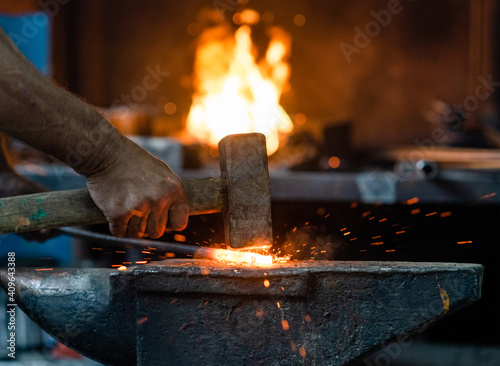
(233, 94)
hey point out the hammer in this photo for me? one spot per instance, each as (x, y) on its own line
(242, 194)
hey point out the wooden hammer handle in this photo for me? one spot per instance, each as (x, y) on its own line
(75, 207)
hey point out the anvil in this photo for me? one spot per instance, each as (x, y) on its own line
(192, 312)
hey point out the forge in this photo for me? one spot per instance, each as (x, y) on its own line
(187, 311)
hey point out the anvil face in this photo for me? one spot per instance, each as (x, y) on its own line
(191, 311)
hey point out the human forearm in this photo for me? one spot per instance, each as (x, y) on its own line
(34, 110)
(138, 194)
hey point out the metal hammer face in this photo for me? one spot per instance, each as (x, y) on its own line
(243, 164)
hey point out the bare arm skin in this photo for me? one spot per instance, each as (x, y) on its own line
(137, 193)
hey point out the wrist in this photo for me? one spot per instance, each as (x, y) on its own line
(99, 148)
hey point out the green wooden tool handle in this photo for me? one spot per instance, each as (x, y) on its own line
(75, 207)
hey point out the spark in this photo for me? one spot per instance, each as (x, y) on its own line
(415, 211)
(267, 283)
(45, 269)
(412, 201)
(284, 324)
(464, 242)
(431, 213)
(445, 214)
(489, 195)
(179, 237)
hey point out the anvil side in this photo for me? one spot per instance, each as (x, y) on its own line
(191, 311)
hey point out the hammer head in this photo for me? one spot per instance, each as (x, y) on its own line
(243, 163)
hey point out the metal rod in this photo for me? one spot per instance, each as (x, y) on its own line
(183, 249)
(176, 248)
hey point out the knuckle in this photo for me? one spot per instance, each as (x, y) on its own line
(155, 234)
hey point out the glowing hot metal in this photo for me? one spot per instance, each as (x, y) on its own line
(241, 257)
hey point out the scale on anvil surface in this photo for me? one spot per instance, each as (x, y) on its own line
(187, 311)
